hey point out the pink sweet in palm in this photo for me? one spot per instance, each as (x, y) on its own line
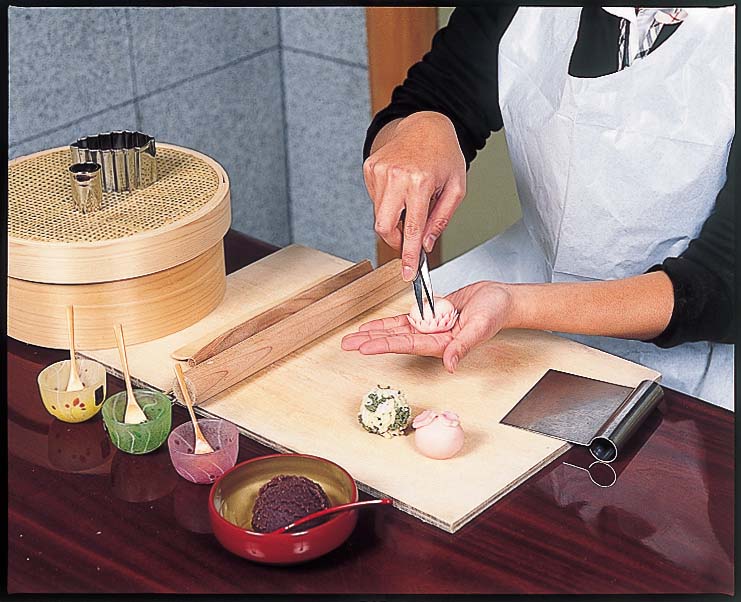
(443, 320)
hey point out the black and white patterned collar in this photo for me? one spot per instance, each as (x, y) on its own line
(639, 28)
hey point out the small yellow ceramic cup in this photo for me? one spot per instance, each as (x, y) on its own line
(73, 406)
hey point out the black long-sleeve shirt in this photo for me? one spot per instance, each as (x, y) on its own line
(458, 78)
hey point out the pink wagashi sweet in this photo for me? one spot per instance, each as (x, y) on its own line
(444, 319)
(450, 418)
(424, 419)
(438, 435)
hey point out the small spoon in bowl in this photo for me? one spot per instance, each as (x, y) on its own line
(334, 509)
(202, 446)
(74, 383)
(133, 413)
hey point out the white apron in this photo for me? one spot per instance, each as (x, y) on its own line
(614, 173)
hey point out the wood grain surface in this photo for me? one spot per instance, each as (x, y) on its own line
(270, 281)
(149, 307)
(83, 517)
(213, 343)
(308, 401)
(275, 342)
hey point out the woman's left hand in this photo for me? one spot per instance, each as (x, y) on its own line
(484, 309)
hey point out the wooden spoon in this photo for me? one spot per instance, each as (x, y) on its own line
(202, 446)
(74, 383)
(133, 413)
(332, 510)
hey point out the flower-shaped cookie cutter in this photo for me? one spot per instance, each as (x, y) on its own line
(127, 159)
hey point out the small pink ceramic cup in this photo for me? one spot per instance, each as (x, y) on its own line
(204, 468)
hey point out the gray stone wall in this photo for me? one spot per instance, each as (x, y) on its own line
(327, 107)
(278, 96)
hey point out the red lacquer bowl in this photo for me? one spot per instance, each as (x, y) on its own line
(233, 496)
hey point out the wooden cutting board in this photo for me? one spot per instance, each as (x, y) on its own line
(308, 401)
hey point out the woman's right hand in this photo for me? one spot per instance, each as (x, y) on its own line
(414, 160)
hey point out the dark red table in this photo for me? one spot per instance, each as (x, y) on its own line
(85, 518)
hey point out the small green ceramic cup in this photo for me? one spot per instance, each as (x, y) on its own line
(138, 438)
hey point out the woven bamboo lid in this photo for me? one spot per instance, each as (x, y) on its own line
(184, 213)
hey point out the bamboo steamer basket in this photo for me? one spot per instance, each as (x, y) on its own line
(151, 259)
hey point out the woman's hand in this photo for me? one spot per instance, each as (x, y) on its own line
(638, 307)
(412, 161)
(484, 307)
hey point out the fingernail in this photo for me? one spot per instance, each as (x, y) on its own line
(429, 243)
(407, 273)
(454, 362)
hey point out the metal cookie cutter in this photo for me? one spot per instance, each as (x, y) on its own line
(128, 159)
(87, 192)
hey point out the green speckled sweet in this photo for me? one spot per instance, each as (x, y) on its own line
(384, 411)
(138, 438)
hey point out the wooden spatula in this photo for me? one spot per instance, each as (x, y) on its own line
(133, 413)
(202, 446)
(74, 383)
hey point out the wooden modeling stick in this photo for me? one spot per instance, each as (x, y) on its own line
(74, 383)
(202, 446)
(209, 345)
(133, 413)
(277, 341)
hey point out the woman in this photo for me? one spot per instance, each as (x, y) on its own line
(619, 124)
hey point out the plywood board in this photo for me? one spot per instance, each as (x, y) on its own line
(249, 292)
(308, 401)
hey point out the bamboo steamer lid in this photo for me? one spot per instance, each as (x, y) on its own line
(151, 259)
(185, 212)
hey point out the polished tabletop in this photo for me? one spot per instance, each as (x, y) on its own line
(84, 517)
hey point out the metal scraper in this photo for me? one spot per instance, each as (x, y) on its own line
(599, 415)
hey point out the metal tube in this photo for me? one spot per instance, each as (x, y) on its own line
(625, 420)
